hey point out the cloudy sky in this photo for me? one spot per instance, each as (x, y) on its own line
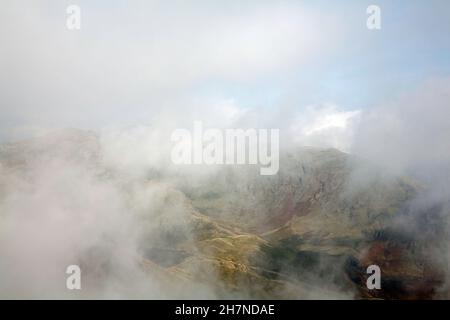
(302, 66)
(139, 69)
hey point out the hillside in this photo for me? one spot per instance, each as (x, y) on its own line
(308, 232)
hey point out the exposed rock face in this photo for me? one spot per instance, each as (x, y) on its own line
(308, 232)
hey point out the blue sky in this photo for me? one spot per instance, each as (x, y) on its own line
(368, 67)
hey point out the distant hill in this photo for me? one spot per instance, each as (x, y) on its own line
(308, 232)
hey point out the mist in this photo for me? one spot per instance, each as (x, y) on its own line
(86, 118)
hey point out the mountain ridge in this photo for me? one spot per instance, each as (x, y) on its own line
(317, 224)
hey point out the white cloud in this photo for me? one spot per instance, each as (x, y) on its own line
(410, 133)
(130, 62)
(325, 126)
